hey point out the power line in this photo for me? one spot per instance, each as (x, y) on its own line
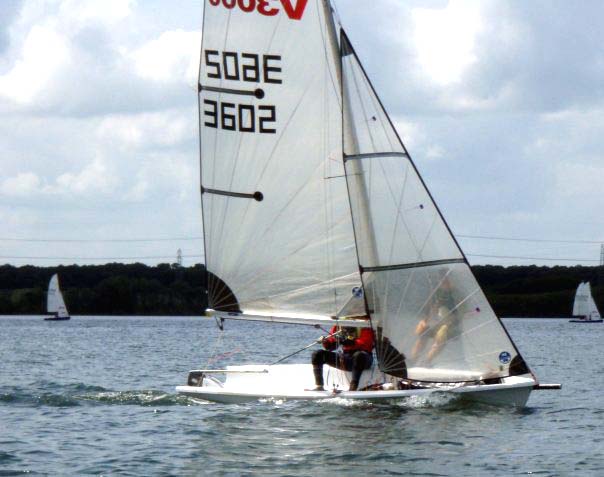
(535, 258)
(170, 239)
(150, 257)
(13, 239)
(518, 239)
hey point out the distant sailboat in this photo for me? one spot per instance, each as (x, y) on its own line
(584, 307)
(315, 214)
(55, 303)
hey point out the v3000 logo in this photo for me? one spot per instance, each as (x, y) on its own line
(294, 9)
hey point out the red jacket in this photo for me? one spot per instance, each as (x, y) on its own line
(364, 341)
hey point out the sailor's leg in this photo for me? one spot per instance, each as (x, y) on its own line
(361, 360)
(319, 358)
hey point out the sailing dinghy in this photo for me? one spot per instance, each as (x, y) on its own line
(584, 306)
(55, 303)
(315, 214)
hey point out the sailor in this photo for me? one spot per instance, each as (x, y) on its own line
(441, 325)
(354, 353)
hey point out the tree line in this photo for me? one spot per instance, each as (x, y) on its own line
(169, 289)
(111, 289)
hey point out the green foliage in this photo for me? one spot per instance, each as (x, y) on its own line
(167, 289)
(111, 289)
(531, 291)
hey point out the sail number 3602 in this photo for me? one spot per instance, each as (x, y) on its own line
(239, 117)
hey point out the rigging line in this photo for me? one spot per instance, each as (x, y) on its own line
(217, 344)
(328, 197)
(536, 258)
(518, 239)
(384, 119)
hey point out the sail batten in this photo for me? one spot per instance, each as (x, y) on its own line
(384, 268)
(371, 155)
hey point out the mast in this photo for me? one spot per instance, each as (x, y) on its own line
(349, 139)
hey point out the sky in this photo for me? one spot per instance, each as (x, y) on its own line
(499, 102)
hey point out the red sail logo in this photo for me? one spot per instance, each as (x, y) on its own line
(294, 9)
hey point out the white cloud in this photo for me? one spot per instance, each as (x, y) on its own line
(44, 53)
(106, 12)
(579, 181)
(167, 128)
(419, 145)
(444, 39)
(21, 185)
(94, 177)
(173, 56)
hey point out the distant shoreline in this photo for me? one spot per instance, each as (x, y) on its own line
(117, 289)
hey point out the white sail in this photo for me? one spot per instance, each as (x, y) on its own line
(55, 303)
(584, 304)
(594, 314)
(295, 148)
(426, 307)
(580, 305)
(277, 224)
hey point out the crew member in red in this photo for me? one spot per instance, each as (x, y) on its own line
(354, 353)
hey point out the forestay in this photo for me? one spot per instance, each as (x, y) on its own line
(427, 309)
(277, 223)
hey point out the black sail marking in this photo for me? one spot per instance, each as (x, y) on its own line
(258, 196)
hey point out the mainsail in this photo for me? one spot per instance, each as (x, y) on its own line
(584, 304)
(55, 303)
(312, 205)
(277, 224)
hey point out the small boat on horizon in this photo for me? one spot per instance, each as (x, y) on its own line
(584, 306)
(55, 304)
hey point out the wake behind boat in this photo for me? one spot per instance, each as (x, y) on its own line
(55, 303)
(315, 214)
(584, 306)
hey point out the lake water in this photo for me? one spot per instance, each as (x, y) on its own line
(95, 396)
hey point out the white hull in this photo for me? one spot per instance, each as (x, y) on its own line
(288, 382)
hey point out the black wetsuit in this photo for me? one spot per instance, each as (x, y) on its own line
(355, 361)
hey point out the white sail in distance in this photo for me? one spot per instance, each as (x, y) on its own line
(55, 303)
(584, 304)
